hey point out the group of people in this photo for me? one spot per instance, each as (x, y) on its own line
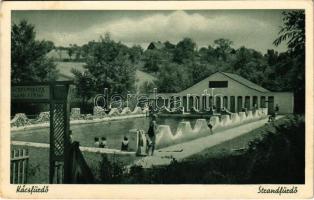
(102, 143)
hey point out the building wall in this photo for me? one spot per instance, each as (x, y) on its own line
(285, 101)
(236, 94)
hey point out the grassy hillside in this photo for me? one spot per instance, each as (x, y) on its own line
(65, 68)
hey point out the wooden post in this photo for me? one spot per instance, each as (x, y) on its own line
(51, 139)
(66, 109)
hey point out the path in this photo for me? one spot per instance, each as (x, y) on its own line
(184, 150)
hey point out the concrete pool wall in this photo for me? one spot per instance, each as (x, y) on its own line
(21, 122)
(165, 137)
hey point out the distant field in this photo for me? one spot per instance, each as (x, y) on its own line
(66, 67)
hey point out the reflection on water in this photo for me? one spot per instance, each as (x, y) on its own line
(85, 133)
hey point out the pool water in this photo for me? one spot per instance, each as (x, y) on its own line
(85, 133)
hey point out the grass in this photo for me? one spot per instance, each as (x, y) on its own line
(230, 147)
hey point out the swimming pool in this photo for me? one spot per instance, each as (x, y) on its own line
(114, 131)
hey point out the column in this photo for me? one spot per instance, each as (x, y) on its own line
(187, 103)
(236, 104)
(208, 102)
(229, 103)
(200, 108)
(251, 102)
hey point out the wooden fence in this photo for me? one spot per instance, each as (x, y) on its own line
(58, 178)
(19, 166)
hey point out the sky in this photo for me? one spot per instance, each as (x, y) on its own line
(255, 29)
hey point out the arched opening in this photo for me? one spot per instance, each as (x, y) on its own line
(232, 104)
(240, 103)
(225, 102)
(247, 102)
(263, 102)
(255, 101)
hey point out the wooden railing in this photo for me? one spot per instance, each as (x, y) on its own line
(19, 166)
(58, 178)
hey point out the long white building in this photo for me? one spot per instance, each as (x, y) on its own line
(231, 91)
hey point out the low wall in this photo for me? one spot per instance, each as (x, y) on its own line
(21, 122)
(185, 132)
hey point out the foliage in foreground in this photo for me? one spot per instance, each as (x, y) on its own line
(276, 158)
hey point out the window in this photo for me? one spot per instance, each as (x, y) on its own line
(218, 84)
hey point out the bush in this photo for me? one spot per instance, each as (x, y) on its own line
(110, 172)
(279, 157)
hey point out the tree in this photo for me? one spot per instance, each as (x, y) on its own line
(108, 62)
(207, 55)
(28, 55)
(293, 31)
(135, 52)
(70, 51)
(223, 47)
(85, 85)
(199, 71)
(250, 64)
(169, 46)
(153, 59)
(184, 51)
(173, 78)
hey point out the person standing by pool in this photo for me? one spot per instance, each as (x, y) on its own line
(276, 109)
(96, 139)
(70, 137)
(151, 139)
(150, 110)
(125, 144)
(210, 126)
(103, 142)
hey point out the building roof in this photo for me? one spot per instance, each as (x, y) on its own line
(245, 82)
(236, 78)
(156, 45)
(58, 54)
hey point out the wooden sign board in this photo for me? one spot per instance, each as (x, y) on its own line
(41, 92)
